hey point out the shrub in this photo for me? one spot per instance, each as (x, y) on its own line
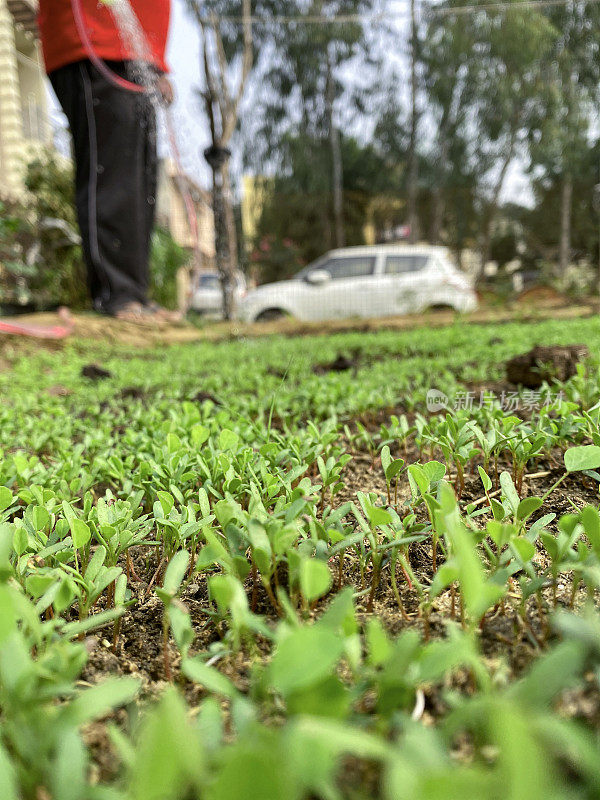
(59, 277)
(14, 270)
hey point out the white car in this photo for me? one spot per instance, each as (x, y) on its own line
(207, 293)
(375, 281)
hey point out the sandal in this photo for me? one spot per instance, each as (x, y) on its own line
(137, 313)
(161, 313)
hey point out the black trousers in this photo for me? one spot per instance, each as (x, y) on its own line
(114, 138)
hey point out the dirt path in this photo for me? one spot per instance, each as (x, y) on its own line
(94, 327)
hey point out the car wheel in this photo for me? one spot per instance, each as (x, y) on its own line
(270, 314)
(441, 307)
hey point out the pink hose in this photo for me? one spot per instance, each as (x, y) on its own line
(100, 65)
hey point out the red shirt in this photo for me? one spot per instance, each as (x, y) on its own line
(62, 45)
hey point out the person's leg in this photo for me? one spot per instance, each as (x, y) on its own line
(68, 88)
(111, 129)
(150, 174)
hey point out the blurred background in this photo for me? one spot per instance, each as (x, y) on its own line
(346, 123)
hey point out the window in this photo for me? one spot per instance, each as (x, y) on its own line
(209, 282)
(397, 265)
(350, 267)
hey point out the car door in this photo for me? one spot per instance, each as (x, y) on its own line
(345, 293)
(402, 284)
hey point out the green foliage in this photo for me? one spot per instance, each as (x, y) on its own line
(14, 269)
(252, 539)
(166, 257)
(295, 225)
(60, 275)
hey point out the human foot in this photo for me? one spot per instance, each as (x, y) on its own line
(164, 313)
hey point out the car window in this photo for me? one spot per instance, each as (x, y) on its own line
(209, 282)
(349, 267)
(397, 265)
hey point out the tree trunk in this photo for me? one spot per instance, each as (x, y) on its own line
(439, 194)
(413, 175)
(437, 214)
(566, 202)
(222, 110)
(225, 237)
(232, 242)
(337, 171)
(230, 220)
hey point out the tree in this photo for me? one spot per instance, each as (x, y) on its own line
(559, 143)
(223, 54)
(446, 49)
(483, 80)
(294, 227)
(509, 46)
(413, 163)
(306, 92)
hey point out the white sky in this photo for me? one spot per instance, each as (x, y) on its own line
(183, 56)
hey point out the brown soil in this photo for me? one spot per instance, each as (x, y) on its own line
(541, 296)
(545, 363)
(88, 326)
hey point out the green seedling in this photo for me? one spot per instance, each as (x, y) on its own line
(398, 432)
(175, 615)
(331, 474)
(456, 440)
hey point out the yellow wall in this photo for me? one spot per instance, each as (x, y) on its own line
(255, 191)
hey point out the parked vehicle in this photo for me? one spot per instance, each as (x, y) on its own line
(207, 293)
(372, 281)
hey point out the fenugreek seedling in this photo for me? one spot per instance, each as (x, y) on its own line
(455, 438)
(6, 502)
(490, 443)
(331, 476)
(392, 469)
(366, 440)
(80, 536)
(175, 615)
(524, 445)
(424, 482)
(398, 432)
(478, 592)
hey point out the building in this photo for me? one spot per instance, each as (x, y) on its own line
(171, 212)
(24, 123)
(257, 190)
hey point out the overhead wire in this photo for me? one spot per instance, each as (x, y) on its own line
(388, 16)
